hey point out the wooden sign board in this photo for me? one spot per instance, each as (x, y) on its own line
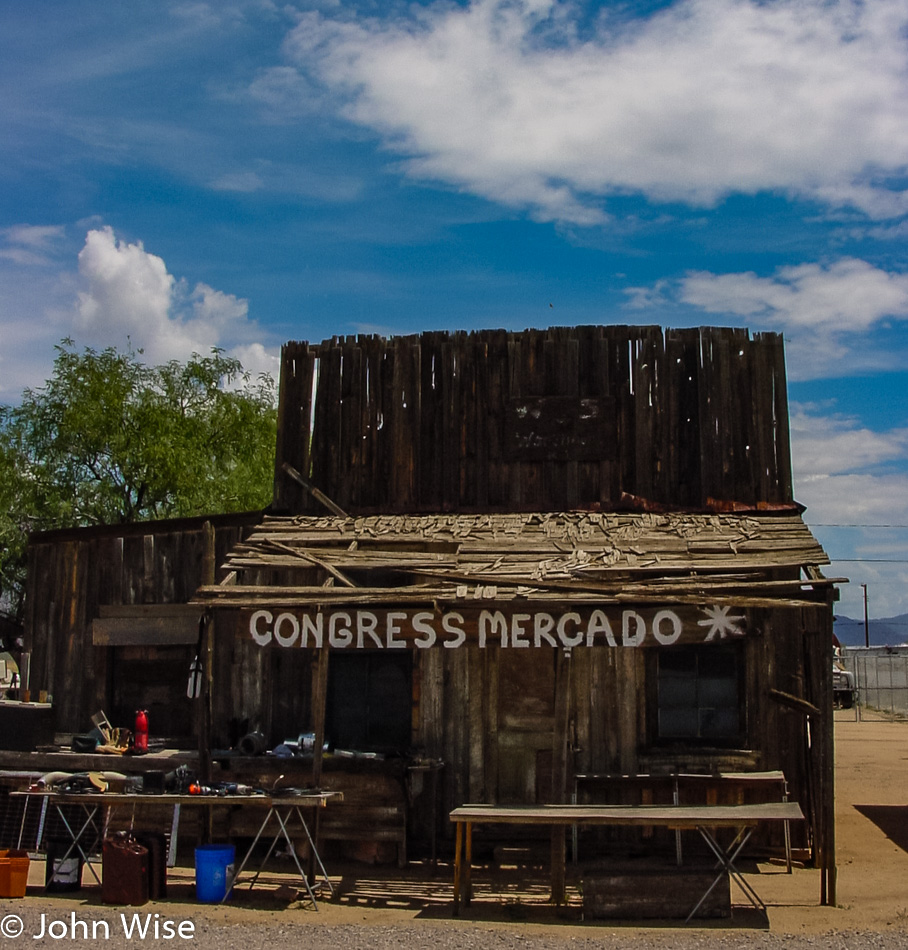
(510, 628)
(561, 429)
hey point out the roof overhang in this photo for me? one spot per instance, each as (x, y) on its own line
(752, 560)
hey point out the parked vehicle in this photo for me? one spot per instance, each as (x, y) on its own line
(844, 689)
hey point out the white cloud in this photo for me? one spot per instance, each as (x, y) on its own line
(837, 445)
(508, 99)
(284, 93)
(852, 480)
(28, 244)
(246, 181)
(829, 312)
(121, 295)
(847, 296)
(130, 295)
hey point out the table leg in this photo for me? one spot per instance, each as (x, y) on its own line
(557, 858)
(246, 857)
(174, 837)
(468, 866)
(458, 864)
(433, 835)
(727, 863)
(676, 800)
(75, 838)
(283, 823)
(313, 851)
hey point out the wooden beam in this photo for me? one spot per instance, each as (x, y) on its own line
(316, 493)
(207, 660)
(149, 631)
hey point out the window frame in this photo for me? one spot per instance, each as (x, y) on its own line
(402, 660)
(654, 706)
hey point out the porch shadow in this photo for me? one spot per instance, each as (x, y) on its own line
(892, 820)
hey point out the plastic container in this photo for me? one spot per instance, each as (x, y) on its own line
(13, 873)
(213, 872)
(62, 875)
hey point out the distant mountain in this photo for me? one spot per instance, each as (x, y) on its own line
(886, 631)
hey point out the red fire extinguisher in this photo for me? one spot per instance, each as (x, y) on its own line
(141, 731)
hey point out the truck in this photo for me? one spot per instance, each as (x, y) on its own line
(844, 688)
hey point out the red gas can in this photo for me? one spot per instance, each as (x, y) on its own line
(141, 731)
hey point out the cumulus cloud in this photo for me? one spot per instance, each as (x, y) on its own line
(522, 103)
(839, 445)
(829, 312)
(129, 295)
(848, 295)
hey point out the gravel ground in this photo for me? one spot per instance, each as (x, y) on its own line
(40, 922)
(380, 909)
(23, 925)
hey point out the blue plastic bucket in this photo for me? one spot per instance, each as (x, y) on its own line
(213, 871)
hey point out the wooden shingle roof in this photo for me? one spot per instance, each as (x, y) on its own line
(584, 557)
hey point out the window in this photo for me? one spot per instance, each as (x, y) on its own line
(699, 694)
(369, 701)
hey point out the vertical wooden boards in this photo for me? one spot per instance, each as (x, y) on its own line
(818, 651)
(682, 476)
(430, 728)
(477, 712)
(425, 423)
(73, 573)
(781, 470)
(457, 732)
(298, 368)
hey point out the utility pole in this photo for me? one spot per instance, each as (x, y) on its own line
(866, 620)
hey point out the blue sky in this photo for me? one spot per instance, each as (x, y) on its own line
(242, 172)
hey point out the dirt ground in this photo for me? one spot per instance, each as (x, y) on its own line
(872, 892)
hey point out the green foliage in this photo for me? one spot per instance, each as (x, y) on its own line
(108, 440)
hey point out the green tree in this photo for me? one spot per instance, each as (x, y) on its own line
(108, 440)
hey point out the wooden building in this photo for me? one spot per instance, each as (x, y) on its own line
(527, 556)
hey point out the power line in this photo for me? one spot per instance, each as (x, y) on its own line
(819, 524)
(868, 560)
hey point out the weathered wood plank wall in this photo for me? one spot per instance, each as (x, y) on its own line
(569, 417)
(72, 573)
(490, 726)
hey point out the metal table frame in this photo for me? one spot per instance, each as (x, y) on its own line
(681, 784)
(280, 808)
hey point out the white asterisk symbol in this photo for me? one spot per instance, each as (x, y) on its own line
(720, 624)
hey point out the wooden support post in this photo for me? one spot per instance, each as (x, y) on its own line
(560, 768)
(827, 797)
(207, 661)
(319, 702)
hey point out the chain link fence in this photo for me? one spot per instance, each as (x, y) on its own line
(881, 678)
